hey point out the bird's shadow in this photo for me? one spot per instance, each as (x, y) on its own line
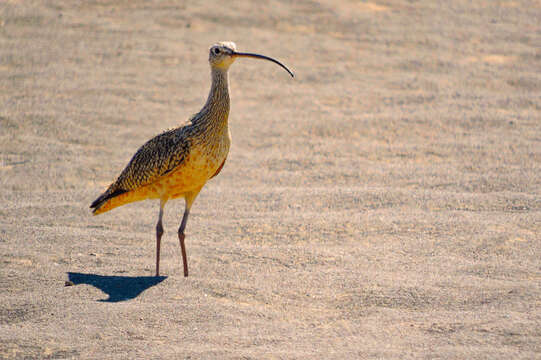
(119, 288)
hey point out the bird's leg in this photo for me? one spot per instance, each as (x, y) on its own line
(159, 233)
(189, 198)
(181, 239)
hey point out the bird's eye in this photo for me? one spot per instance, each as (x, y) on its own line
(216, 51)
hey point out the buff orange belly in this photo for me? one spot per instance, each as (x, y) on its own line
(191, 175)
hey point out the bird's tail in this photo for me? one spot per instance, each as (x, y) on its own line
(98, 205)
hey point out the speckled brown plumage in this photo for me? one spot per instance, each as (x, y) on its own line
(178, 162)
(206, 135)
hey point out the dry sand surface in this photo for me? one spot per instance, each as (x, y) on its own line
(384, 204)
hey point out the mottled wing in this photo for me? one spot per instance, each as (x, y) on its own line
(154, 159)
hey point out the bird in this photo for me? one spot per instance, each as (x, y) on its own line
(179, 162)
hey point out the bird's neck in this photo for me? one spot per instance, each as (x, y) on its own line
(216, 109)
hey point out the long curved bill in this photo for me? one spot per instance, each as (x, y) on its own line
(257, 56)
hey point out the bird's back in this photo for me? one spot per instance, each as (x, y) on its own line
(168, 165)
(177, 161)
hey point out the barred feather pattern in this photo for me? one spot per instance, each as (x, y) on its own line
(206, 132)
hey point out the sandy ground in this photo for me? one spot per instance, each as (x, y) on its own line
(385, 203)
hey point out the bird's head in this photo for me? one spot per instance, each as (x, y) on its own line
(224, 53)
(221, 54)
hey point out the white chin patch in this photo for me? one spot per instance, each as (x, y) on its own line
(226, 62)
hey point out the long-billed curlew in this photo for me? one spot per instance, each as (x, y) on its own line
(179, 162)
